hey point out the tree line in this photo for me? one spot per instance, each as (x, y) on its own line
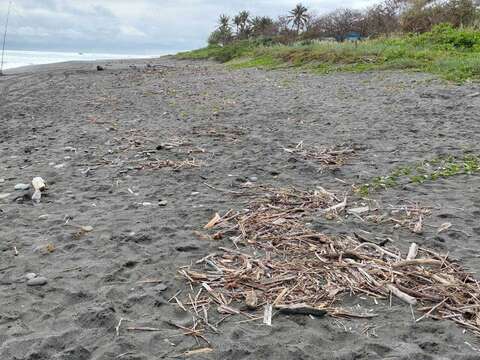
(384, 19)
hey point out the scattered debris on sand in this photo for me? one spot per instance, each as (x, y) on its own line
(325, 156)
(284, 263)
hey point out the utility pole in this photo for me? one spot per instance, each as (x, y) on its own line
(5, 36)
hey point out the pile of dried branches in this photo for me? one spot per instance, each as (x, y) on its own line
(180, 147)
(287, 265)
(326, 156)
(175, 165)
(410, 216)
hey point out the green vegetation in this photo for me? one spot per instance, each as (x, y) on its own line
(453, 54)
(421, 172)
(219, 53)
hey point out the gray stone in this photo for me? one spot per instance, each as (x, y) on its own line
(160, 287)
(163, 203)
(37, 281)
(253, 178)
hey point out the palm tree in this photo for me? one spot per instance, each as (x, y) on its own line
(260, 25)
(224, 32)
(244, 16)
(223, 22)
(299, 17)
(241, 23)
(237, 22)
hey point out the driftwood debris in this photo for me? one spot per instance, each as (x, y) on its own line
(325, 156)
(281, 261)
(300, 309)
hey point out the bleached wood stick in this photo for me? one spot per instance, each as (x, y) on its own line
(267, 315)
(401, 295)
(431, 311)
(412, 252)
(338, 207)
(416, 262)
(378, 248)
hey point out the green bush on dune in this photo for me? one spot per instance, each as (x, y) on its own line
(451, 53)
(446, 37)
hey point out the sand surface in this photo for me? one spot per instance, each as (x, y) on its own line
(218, 127)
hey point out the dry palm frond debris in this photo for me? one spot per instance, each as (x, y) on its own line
(286, 264)
(326, 156)
(172, 164)
(410, 216)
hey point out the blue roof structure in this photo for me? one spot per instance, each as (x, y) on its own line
(353, 36)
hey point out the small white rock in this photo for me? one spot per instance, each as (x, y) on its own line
(37, 195)
(30, 276)
(37, 281)
(69, 148)
(38, 183)
(43, 217)
(59, 166)
(147, 204)
(22, 186)
(4, 196)
(87, 228)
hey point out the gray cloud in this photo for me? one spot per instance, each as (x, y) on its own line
(132, 26)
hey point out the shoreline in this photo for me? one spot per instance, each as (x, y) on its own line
(138, 159)
(51, 65)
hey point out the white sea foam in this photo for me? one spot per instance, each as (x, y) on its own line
(18, 58)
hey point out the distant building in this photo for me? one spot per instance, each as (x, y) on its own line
(353, 36)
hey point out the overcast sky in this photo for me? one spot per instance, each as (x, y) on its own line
(132, 26)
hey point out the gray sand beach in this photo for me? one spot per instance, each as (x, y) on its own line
(139, 157)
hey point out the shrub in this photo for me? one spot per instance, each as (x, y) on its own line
(445, 35)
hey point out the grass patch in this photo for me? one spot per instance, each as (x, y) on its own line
(260, 62)
(424, 171)
(222, 54)
(453, 54)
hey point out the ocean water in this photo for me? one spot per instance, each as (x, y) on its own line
(17, 58)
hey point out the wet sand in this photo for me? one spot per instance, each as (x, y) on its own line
(127, 151)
